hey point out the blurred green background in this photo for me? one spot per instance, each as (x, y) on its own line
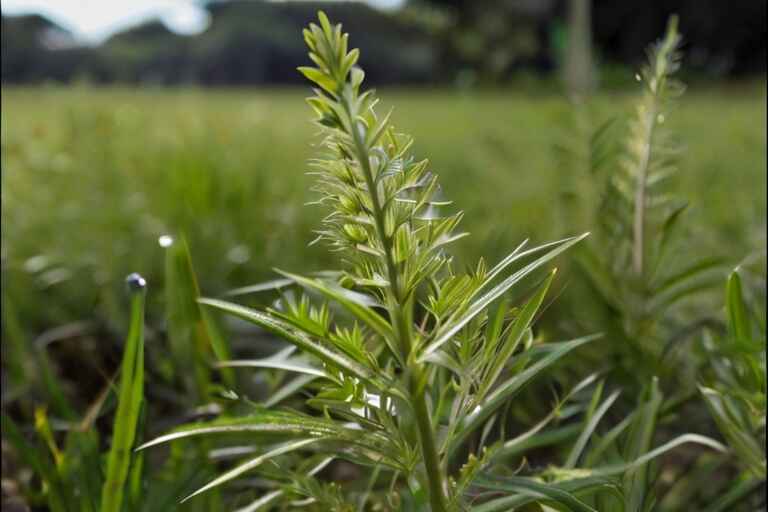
(92, 177)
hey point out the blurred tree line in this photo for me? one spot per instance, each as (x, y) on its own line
(427, 41)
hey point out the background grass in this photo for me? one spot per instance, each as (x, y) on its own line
(92, 177)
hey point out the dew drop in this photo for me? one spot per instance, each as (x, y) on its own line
(165, 241)
(638, 77)
(135, 282)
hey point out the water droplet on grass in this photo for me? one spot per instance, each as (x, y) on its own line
(135, 282)
(165, 241)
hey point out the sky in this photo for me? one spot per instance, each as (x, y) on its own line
(92, 21)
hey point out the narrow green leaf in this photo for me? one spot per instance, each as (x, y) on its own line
(589, 429)
(275, 284)
(192, 331)
(640, 437)
(356, 304)
(738, 318)
(275, 424)
(320, 78)
(289, 389)
(737, 433)
(642, 460)
(520, 324)
(534, 489)
(452, 327)
(130, 397)
(579, 486)
(253, 463)
(262, 502)
(297, 364)
(533, 438)
(510, 388)
(690, 272)
(299, 339)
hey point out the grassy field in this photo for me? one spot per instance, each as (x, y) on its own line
(92, 178)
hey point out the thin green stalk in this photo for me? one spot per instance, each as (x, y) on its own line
(663, 65)
(429, 451)
(378, 211)
(640, 199)
(396, 309)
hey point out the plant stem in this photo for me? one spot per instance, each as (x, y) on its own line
(396, 306)
(640, 199)
(429, 452)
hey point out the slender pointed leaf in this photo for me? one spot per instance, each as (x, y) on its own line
(510, 388)
(452, 327)
(302, 341)
(130, 397)
(534, 489)
(253, 463)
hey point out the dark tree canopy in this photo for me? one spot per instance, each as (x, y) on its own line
(255, 42)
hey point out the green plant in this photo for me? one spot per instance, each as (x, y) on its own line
(193, 337)
(411, 370)
(82, 475)
(412, 361)
(637, 267)
(735, 388)
(641, 270)
(610, 471)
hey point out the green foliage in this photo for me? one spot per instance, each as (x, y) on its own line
(404, 344)
(735, 388)
(607, 472)
(640, 274)
(73, 477)
(634, 268)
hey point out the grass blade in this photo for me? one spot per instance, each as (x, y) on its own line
(518, 328)
(589, 429)
(738, 318)
(192, 332)
(251, 464)
(130, 397)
